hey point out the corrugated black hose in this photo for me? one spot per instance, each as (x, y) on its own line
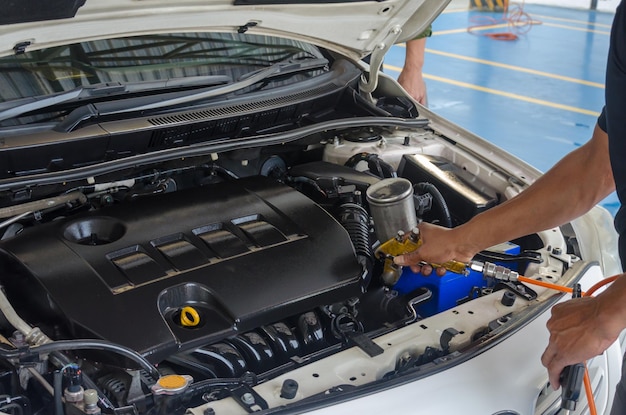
(355, 220)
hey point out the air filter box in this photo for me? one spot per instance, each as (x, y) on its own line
(465, 194)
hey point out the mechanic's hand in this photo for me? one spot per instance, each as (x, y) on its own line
(439, 245)
(579, 330)
(413, 82)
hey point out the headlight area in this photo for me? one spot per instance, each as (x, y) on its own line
(249, 280)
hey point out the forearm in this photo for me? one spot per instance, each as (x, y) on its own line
(411, 77)
(613, 308)
(568, 190)
(414, 59)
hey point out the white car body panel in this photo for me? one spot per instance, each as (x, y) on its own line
(503, 378)
(364, 25)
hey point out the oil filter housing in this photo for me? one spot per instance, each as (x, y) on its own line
(392, 207)
(465, 194)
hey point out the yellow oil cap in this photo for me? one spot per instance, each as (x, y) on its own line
(189, 317)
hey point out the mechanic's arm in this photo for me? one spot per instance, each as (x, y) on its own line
(411, 77)
(572, 187)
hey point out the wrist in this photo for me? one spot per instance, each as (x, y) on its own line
(465, 243)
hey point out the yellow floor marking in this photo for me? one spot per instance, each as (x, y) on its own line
(514, 68)
(540, 16)
(503, 93)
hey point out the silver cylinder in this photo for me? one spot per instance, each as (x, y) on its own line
(392, 207)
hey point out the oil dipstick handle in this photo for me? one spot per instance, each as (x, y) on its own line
(572, 376)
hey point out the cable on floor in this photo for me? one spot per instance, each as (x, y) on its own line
(517, 22)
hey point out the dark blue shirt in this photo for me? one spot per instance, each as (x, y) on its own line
(613, 118)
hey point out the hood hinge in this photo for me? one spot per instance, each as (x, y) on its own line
(369, 81)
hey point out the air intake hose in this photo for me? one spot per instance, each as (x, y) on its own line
(355, 220)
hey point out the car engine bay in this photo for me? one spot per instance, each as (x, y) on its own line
(231, 279)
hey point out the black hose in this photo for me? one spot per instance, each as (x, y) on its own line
(58, 393)
(355, 220)
(421, 188)
(83, 344)
(311, 182)
(223, 171)
(388, 170)
(375, 164)
(355, 159)
(529, 256)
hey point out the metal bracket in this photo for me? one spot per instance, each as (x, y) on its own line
(248, 398)
(369, 82)
(518, 288)
(365, 343)
(20, 48)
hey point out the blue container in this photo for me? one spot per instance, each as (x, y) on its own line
(448, 289)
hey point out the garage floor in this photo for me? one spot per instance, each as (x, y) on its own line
(537, 97)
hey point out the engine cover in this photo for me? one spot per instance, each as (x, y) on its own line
(242, 254)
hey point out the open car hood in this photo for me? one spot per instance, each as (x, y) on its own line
(353, 28)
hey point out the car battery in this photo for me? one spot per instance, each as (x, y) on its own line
(463, 192)
(450, 289)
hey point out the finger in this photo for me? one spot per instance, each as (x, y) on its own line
(416, 268)
(441, 271)
(427, 269)
(554, 375)
(406, 259)
(547, 359)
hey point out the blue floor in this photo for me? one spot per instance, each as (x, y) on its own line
(538, 97)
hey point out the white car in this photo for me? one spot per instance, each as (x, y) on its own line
(198, 206)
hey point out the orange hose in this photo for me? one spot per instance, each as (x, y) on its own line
(599, 285)
(545, 284)
(588, 390)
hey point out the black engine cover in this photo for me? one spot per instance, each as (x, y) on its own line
(242, 254)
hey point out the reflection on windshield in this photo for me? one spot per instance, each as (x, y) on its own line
(142, 58)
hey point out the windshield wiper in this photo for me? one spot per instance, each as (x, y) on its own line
(278, 69)
(16, 108)
(282, 68)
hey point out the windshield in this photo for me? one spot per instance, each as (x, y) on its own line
(143, 59)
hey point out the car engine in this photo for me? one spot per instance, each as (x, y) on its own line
(229, 282)
(212, 251)
(186, 259)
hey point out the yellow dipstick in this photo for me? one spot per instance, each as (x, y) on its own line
(189, 317)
